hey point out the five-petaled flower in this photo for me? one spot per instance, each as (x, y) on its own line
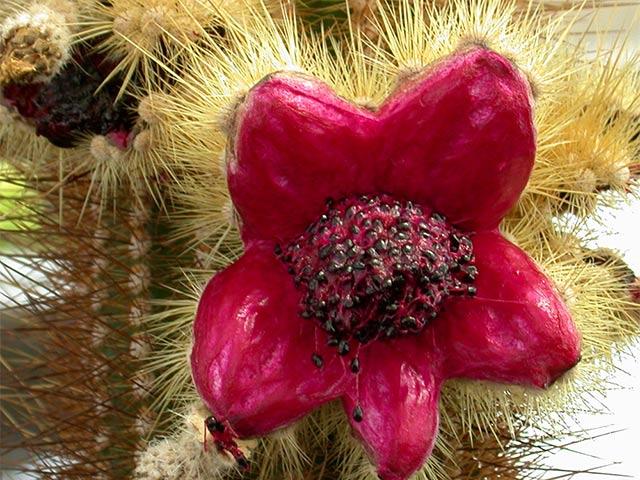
(373, 268)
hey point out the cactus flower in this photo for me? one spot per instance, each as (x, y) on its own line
(373, 268)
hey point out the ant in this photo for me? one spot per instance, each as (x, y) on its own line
(223, 439)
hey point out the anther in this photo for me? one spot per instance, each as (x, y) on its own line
(355, 365)
(443, 269)
(455, 242)
(430, 255)
(392, 307)
(381, 245)
(214, 425)
(409, 322)
(372, 252)
(343, 347)
(340, 257)
(471, 273)
(324, 251)
(317, 360)
(358, 414)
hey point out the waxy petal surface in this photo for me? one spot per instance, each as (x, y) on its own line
(398, 391)
(461, 139)
(251, 358)
(296, 145)
(516, 330)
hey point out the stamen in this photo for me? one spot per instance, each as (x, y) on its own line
(343, 347)
(358, 414)
(376, 268)
(355, 365)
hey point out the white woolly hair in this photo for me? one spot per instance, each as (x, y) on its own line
(42, 18)
(184, 456)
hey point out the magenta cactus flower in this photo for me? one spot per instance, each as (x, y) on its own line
(373, 268)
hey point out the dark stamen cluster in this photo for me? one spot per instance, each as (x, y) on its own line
(373, 267)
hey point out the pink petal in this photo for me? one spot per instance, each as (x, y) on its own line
(516, 330)
(120, 138)
(461, 138)
(297, 144)
(251, 358)
(398, 390)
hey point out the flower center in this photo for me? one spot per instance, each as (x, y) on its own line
(372, 267)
